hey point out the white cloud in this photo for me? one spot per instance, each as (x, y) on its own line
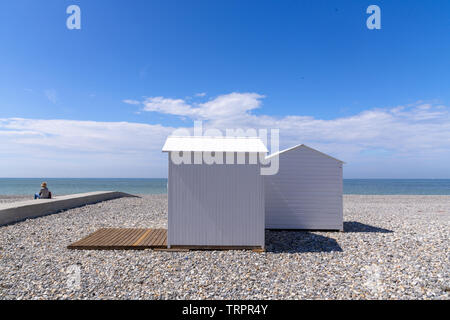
(201, 94)
(402, 128)
(416, 131)
(169, 106)
(403, 141)
(229, 106)
(33, 147)
(133, 102)
(226, 106)
(418, 134)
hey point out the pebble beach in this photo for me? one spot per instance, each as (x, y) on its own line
(392, 247)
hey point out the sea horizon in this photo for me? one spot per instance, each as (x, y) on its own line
(357, 186)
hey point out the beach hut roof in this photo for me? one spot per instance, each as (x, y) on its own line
(301, 146)
(214, 144)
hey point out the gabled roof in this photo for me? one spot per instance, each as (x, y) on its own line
(214, 144)
(304, 146)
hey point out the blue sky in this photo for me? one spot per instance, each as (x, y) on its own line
(100, 101)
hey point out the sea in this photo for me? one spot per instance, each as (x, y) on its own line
(61, 186)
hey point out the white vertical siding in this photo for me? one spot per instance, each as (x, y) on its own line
(215, 205)
(306, 193)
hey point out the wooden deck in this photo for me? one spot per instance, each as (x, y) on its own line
(123, 239)
(139, 239)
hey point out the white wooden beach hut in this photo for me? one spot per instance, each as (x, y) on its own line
(219, 204)
(306, 193)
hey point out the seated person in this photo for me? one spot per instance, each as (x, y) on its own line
(44, 193)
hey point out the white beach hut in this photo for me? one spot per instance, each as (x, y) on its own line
(306, 193)
(218, 204)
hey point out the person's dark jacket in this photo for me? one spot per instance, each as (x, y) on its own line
(45, 193)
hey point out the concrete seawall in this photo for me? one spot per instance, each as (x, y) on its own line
(18, 211)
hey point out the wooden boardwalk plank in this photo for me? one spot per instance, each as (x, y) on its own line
(135, 238)
(114, 237)
(150, 238)
(142, 237)
(96, 236)
(160, 241)
(122, 238)
(156, 237)
(128, 239)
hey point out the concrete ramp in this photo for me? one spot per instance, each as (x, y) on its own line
(18, 211)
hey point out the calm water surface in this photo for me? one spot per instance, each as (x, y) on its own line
(23, 186)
